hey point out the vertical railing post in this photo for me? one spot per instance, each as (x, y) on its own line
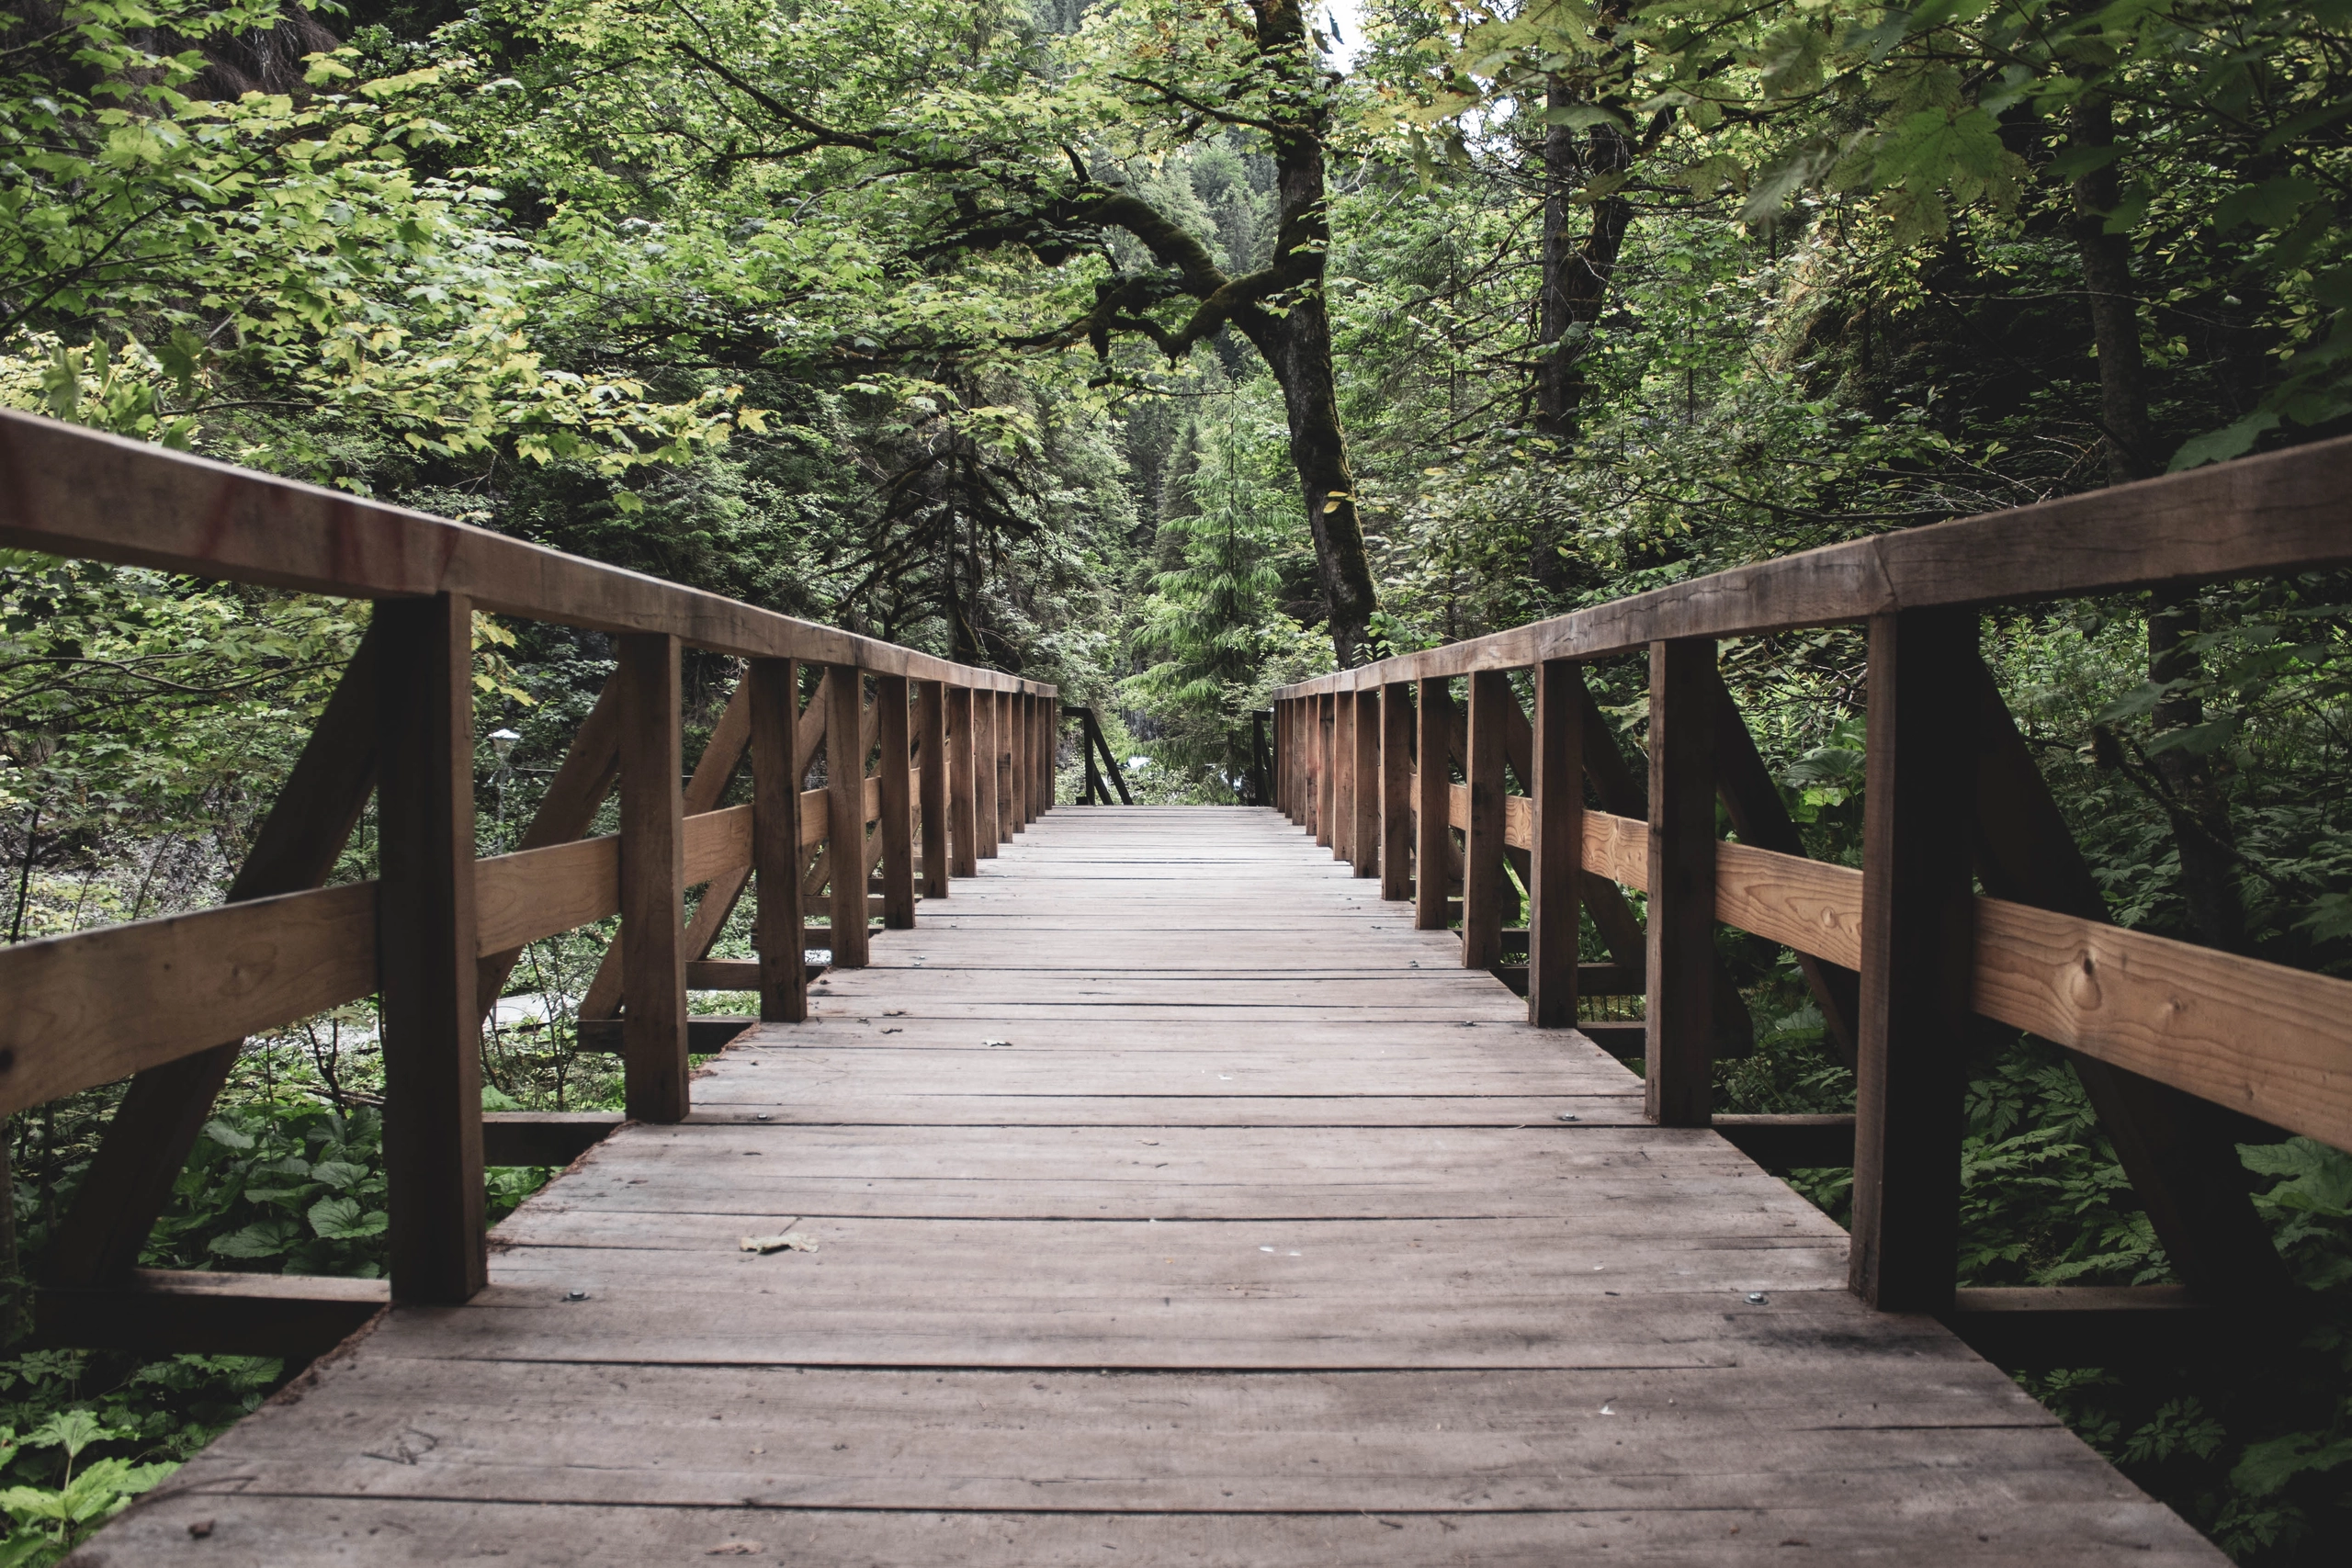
(1016, 756)
(1919, 833)
(1281, 801)
(1048, 749)
(1006, 803)
(1045, 743)
(1344, 776)
(1680, 943)
(1262, 783)
(1326, 773)
(1294, 761)
(931, 732)
(1433, 804)
(897, 803)
(777, 769)
(1396, 791)
(846, 812)
(1363, 836)
(653, 875)
(988, 824)
(432, 1026)
(1483, 883)
(962, 769)
(1556, 864)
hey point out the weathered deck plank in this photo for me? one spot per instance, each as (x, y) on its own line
(1253, 1245)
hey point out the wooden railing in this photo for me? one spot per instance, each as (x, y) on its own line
(961, 760)
(1094, 754)
(1900, 952)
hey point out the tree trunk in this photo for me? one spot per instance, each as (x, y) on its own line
(1576, 272)
(1576, 282)
(2200, 812)
(1297, 349)
(1296, 343)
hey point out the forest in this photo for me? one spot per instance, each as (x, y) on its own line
(1170, 351)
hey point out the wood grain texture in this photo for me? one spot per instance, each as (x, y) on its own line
(713, 771)
(1680, 958)
(1397, 792)
(1751, 797)
(895, 785)
(1344, 818)
(963, 799)
(777, 769)
(428, 950)
(1557, 855)
(654, 874)
(70, 490)
(1237, 1289)
(1363, 834)
(1327, 771)
(988, 829)
(2256, 1037)
(1484, 886)
(845, 811)
(931, 741)
(95, 1007)
(2179, 1151)
(2263, 515)
(1917, 933)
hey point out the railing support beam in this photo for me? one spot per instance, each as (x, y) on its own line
(427, 952)
(653, 874)
(777, 768)
(1679, 945)
(1919, 807)
(1483, 884)
(1556, 864)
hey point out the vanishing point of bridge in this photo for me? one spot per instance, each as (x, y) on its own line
(1226, 1186)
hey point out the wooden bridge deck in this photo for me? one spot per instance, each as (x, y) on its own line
(1175, 1201)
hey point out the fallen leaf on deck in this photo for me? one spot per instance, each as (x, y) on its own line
(789, 1241)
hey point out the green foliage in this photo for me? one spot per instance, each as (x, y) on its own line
(1210, 629)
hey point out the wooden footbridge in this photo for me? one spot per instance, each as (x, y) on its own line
(1164, 1185)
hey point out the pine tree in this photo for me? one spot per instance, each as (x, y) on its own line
(1204, 632)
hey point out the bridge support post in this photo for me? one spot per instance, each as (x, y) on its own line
(1917, 930)
(845, 811)
(653, 873)
(777, 772)
(1396, 791)
(1679, 957)
(1016, 763)
(432, 1028)
(1363, 836)
(988, 826)
(1344, 776)
(1483, 884)
(1326, 771)
(1555, 863)
(930, 739)
(963, 784)
(897, 827)
(1432, 806)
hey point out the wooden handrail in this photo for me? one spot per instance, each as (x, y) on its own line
(70, 492)
(2282, 511)
(168, 1001)
(2161, 1031)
